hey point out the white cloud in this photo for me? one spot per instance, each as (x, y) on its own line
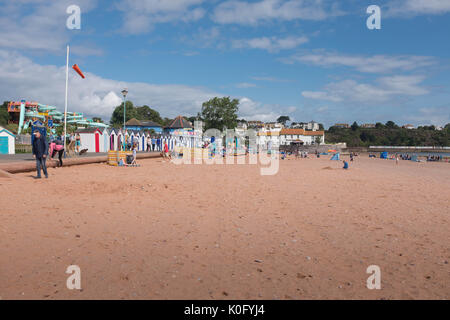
(94, 95)
(97, 96)
(244, 85)
(252, 110)
(203, 38)
(251, 13)
(141, 15)
(270, 79)
(439, 116)
(272, 44)
(368, 64)
(408, 8)
(386, 89)
(38, 25)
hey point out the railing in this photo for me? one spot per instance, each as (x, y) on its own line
(23, 148)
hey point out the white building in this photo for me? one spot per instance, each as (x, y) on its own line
(7, 142)
(312, 126)
(268, 138)
(287, 136)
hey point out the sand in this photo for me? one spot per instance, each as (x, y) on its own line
(165, 231)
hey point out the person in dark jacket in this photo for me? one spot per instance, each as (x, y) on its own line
(40, 152)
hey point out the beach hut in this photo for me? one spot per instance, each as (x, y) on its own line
(132, 136)
(91, 139)
(112, 139)
(105, 143)
(119, 139)
(7, 142)
(143, 141)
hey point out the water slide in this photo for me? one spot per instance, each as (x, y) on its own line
(45, 108)
(22, 115)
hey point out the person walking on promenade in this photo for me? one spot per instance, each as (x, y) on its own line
(149, 143)
(40, 152)
(78, 142)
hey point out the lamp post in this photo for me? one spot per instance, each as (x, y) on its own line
(124, 94)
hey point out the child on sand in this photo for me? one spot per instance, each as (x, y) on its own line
(345, 165)
(133, 163)
(166, 154)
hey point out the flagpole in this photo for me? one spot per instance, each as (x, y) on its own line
(65, 106)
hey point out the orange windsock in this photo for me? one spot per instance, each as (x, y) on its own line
(77, 69)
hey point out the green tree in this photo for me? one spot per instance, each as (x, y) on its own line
(97, 119)
(283, 119)
(166, 121)
(192, 119)
(219, 113)
(4, 115)
(321, 127)
(147, 113)
(354, 126)
(379, 125)
(447, 127)
(391, 125)
(117, 115)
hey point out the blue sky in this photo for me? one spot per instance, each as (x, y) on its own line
(309, 59)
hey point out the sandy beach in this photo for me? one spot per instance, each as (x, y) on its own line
(165, 231)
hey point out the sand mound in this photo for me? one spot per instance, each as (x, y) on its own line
(4, 174)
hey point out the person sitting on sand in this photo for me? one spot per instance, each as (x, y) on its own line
(345, 165)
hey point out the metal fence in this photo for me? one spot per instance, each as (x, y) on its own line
(23, 139)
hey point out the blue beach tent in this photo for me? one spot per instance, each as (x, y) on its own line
(337, 156)
(384, 155)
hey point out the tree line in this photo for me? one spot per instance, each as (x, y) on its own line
(389, 134)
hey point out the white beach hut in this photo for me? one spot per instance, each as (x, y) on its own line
(7, 142)
(91, 139)
(119, 139)
(143, 141)
(112, 139)
(105, 144)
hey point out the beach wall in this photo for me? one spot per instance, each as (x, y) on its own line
(323, 148)
(29, 166)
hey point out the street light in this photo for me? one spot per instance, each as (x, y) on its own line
(124, 94)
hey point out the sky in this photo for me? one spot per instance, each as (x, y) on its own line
(307, 59)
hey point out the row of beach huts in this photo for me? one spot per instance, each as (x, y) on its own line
(104, 140)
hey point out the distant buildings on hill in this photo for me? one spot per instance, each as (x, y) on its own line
(342, 125)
